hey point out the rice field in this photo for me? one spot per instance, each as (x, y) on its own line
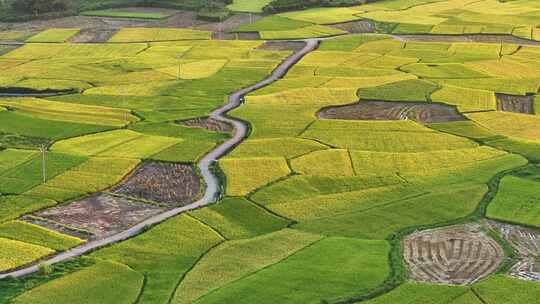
(314, 204)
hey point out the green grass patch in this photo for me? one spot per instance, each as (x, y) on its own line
(517, 201)
(105, 282)
(329, 270)
(37, 235)
(239, 218)
(123, 13)
(164, 253)
(408, 90)
(233, 261)
(54, 35)
(250, 6)
(16, 254)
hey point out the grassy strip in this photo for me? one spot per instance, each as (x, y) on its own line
(398, 271)
(12, 287)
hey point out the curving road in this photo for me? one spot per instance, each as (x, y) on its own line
(212, 182)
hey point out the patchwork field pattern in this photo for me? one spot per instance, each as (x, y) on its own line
(362, 171)
(112, 109)
(437, 17)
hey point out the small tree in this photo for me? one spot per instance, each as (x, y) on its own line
(37, 7)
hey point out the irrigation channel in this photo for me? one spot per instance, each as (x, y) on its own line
(213, 186)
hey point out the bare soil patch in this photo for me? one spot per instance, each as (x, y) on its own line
(515, 103)
(93, 35)
(454, 255)
(487, 38)
(356, 27)
(527, 243)
(422, 112)
(168, 183)
(235, 36)
(230, 24)
(294, 46)
(209, 124)
(101, 215)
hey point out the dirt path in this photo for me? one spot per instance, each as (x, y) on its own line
(213, 186)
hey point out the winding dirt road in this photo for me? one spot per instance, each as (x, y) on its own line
(212, 182)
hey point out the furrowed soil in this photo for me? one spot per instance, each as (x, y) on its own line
(101, 215)
(421, 112)
(94, 35)
(515, 103)
(356, 27)
(526, 241)
(167, 183)
(456, 255)
(294, 46)
(209, 124)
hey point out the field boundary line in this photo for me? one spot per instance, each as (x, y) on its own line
(213, 188)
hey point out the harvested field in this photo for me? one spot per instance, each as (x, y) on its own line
(483, 38)
(356, 27)
(421, 112)
(209, 124)
(235, 36)
(282, 46)
(172, 184)
(94, 35)
(455, 255)
(101, 215)
(527, 243)
(515, 103)
(228, 25)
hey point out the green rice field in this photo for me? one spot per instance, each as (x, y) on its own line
(366, 141)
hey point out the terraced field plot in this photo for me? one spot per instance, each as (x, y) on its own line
(366, 157)
(444, 17)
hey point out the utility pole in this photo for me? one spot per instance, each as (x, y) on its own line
(179, 57)
(43, 150)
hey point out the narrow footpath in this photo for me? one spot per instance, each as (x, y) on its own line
(212, 182)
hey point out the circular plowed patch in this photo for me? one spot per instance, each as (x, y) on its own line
(421, 112)
(455, 255)
(527, 243)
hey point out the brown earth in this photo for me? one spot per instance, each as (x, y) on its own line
(93, 36)
(182, 19)
(235, 36)
(527, 243)
(168, 183)
(228, 25)
(209, 124)
(422, 112)
(515, 103)
(294, 46)
(355, 27)
(454, 255)
(484, 38)
(102, 215)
